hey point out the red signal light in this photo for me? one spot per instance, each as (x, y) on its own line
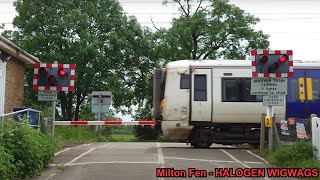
(283, 58)
(52, 80)
(263, 59)
(275, 66)
(62, 72)
(43, 71)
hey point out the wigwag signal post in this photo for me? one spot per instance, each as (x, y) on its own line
(270, 70)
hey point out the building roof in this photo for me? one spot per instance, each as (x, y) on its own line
(13, 50)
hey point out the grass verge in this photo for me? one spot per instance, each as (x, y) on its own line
(298, 155)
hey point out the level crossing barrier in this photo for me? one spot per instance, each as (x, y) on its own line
(110, 123)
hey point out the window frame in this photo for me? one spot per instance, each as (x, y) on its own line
(195, 97)
(241, 88)
(185, 77)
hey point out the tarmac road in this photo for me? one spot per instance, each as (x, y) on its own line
(140, 160)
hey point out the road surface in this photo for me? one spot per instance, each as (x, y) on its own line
(140, 160)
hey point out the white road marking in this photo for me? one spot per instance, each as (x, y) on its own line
(80, 146)
(104, 145)
(78, 157)
(234, 158)
(237, 160)
(61, 151)
(252, 162)
(160, 158)
(50, 176)
(257, 156)
(113, 162)
(84, 145)
(55, 165)
(160, 154)
(205, 160)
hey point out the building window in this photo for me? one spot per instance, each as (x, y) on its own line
(185, 81)
(200, 87)
(238, 90)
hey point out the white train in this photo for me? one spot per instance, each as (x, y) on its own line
(208, 101)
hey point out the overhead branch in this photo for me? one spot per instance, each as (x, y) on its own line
(154, 24)
(198, 6)
(183, 9)
(188, 7)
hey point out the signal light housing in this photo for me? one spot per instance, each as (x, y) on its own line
(272, 63)
(54, 77)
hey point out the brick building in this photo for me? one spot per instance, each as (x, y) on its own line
(13, 62)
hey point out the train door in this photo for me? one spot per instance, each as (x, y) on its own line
(201, 96)
(303, 94)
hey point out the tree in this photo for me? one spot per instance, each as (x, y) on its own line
(218, 30)
(110, 50)
(206, 29)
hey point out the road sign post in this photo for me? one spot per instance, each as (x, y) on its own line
(101, 101)
(270, 69)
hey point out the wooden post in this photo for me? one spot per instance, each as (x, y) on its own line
(275, 130)
(262, 133)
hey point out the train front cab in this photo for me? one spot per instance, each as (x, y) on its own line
(303, 98)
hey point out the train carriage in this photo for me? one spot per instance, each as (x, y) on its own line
(209, 101)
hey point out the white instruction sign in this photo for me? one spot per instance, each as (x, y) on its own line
(273, 100)
(47, 95)
(269, 86)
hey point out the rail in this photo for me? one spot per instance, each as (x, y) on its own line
(28, 110)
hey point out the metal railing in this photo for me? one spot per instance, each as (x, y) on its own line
(28, 110)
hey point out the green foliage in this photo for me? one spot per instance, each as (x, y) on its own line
(122, 138)
(293, 155)
(145, 133)
(31, 149)
(7, 169)
(111, 50)
(212, 31)
(75, 134)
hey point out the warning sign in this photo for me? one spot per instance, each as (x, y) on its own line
(273, 100)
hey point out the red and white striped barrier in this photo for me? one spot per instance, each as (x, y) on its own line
(111, 123)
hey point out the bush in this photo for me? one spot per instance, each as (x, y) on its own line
(292, 155)
(7, 169)
(145, 133)
(31, 149)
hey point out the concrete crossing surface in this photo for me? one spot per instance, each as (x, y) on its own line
(152, 160)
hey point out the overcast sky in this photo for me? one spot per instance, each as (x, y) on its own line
(291, 24)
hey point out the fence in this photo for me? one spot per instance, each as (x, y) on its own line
(291, 129)
(34, 119)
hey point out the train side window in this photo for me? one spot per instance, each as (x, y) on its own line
(246, 92)
(238, 90)
(294, 86)
(316, 89)
(185, 81)
(231, 90)
(200, 87)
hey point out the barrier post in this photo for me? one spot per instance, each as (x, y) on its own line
(262, 133)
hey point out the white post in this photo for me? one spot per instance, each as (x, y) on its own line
(53, 116)
(53, 111)
(270, 113)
